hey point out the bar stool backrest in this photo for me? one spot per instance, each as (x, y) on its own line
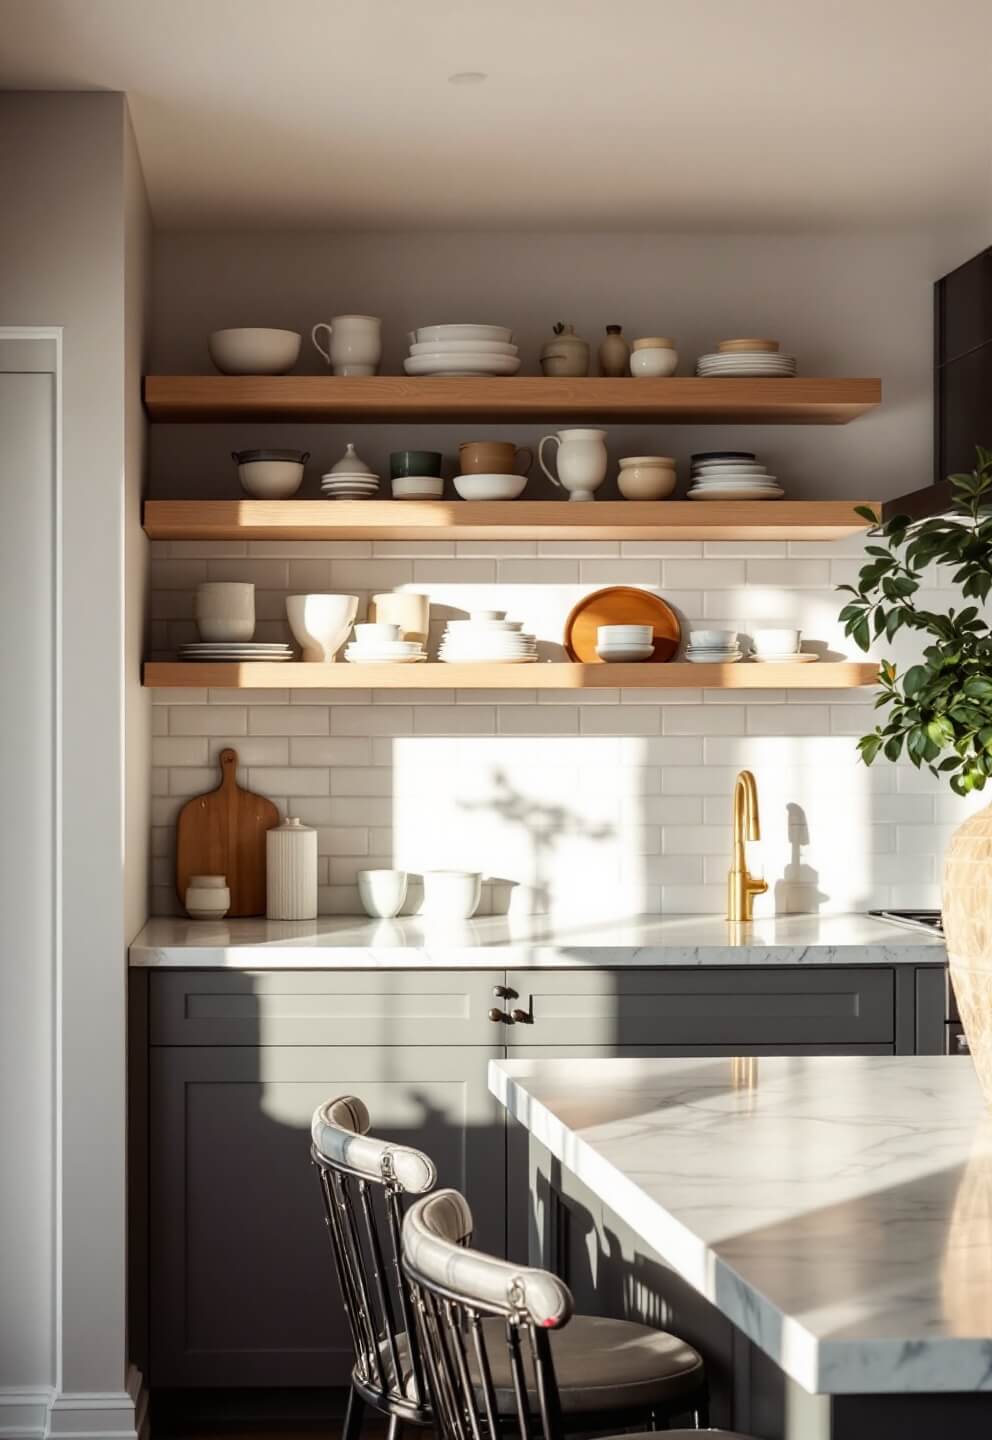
(363, 1182)
(454, 1290)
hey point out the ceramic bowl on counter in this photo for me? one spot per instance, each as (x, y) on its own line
(254, 351)
(653, 357)
(646, 477)
(270, 474)
(382, 892)
(451, 894)
(490, 487)
(320, 623)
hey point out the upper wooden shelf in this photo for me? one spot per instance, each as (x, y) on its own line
(502, 520)
(839, 675)
(678, 400)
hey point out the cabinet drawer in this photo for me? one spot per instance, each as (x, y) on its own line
(703, 1006)
(319, 1007)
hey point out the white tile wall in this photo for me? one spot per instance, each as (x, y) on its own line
(590, 805)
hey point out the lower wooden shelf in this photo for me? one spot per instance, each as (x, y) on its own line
(677, 675)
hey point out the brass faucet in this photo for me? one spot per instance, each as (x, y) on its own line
(742, 886)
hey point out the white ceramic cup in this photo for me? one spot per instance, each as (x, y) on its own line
(354, 344)
(382, 892)
(776, 642)
(451, 894)
(582, 461)
(320, 623)
(377, 632)
(412, 613)
(225, 610)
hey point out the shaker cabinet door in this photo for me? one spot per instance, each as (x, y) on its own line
(243, 1290)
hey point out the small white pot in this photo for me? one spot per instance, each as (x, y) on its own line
(382, 892)
(207, 897)
(451, 894)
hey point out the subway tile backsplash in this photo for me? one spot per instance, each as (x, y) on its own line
(592, 805)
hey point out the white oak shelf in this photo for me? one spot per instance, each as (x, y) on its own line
(502, 520)
(841, 675)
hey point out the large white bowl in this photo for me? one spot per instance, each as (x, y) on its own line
(270, 474)
(471, 363)
(462, 332)
(490, 487)
(321, 623)
(253, 351)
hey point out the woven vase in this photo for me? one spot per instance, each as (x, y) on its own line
(967, 912)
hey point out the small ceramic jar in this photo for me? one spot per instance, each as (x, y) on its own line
(646, 477)
(614, 352)
(566, 354)
(207, 897)
(653, 357)
(291, 871)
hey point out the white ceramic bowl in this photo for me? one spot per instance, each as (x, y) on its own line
(427, 333)
(320, 623)
(382, 892)
(254, 352)
(646, 482)
(451, 894)
(633, 634)
(776, 642)
(490, 487)
(270, 474)
(225, 610)
(616, 654)
(463, 347)
(652, 363)
(377, 631)
(417, 487)
(712, 639)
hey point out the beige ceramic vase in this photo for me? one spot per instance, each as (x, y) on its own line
(967, 912)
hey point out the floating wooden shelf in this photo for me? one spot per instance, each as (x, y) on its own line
(502, 520)
(678, 400)
(842, 675)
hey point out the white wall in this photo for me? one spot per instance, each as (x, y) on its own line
(62, 263)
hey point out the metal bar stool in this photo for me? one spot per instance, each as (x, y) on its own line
(610, 1372)
(489, 1333)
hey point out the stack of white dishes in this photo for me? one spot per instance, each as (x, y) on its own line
(381, 644)
(731, 475)
(487, 636)
(616, 643)
(350, 478)
(234, 650)
(753, 358)
(462, 350)
(713, 647)
(781, 647)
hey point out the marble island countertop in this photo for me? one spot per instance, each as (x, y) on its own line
(500, 942)
(837, 1210)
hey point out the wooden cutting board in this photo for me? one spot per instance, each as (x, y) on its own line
(223, 833)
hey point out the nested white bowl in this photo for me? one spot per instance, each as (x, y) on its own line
(417, 487)
(463, 347)
(254, 351)
(620, 653)
(490, 487)
(427, 333)
(320, 623)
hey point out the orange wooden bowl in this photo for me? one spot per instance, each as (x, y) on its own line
(620, 605)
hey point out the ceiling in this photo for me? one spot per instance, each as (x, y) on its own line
(595, 114)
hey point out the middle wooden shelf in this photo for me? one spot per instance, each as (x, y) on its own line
(552, 675)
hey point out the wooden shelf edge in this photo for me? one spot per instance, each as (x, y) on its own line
(839, 675)
(518, 519)
(800, 400)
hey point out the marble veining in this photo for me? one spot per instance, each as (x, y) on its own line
(838, 1210)
(500, 942)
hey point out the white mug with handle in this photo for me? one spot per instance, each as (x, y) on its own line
(354, 343)
(582, 461)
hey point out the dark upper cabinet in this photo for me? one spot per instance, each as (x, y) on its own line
(963, 365)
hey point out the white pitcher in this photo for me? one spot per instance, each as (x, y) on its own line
(582, 461)
(354, 344)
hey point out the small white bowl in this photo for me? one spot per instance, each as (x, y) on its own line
(635, 634)
(382, 892)
(254, 351)
(376, 631)
(451, 894)
(776, 642)
(417, 487)
(712, 639)
(618, 654)
(427, 333)
(490, 487)
(650, 364)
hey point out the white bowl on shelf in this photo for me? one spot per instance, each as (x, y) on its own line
(320, 623)
(470, 363)
(490, 487)
(254, 351)
(418, 487)
(463, 347)
(427, 333)
(624, 654)
(270, 474)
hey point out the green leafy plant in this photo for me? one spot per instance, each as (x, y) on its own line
(940, 710)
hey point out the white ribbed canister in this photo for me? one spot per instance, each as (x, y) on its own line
(291, 871)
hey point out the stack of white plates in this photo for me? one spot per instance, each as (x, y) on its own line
(240, 650)
(731, 475)
(385, 652)
(751, 363)
(713, 647)
(462, 350)
(340, 486)
(487, 637)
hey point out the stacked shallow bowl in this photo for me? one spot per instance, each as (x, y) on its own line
(462, 350)
(747, 358)
(382, 644)
(713, 647)
(350, 478)
(487, 637)
(731, 475)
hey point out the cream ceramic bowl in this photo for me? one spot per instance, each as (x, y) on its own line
(490, 487)
(451, 894)
(320, 623)
(254, 352)
(646, 480)
(427, 333)
(270, 474)
(382, 892)
(650, 364)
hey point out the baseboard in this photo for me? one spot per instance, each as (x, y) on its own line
(95, 1415)
(24, 1413)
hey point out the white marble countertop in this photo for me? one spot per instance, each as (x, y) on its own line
(837, 1210)
(499, 942)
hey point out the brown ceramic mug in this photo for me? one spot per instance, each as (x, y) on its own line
(494, 457)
